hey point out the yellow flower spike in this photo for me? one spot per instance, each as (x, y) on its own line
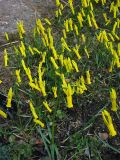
(54, 89)
(88, 77)
(32, 108)
(0, 81)
(112, 38)
(36, 50)
(63, 80)
(114, 27)
(31, 50)
(5, 58)
(108, 122)
(61, 60)
(42, 87)
(57, 3)
(22, 49)
(86, 51)
(23, 64)
(47, 21)
(113, 97)
(95, 23)
(80, 19)
(61, 6)
(54, 52)
(84, 3)
(83, 38)
(64, 44)
(89, 21)
(66, 24)
(34, 86)
(76, 51)
(103, 2)
(51, 44)
(40, 25)
(17, 72)
(75, 65)
(45, 40)
(47, 106)
(70, 2)
(69, 63)
(3, 114)
(37, 121)
(69, 92)
(54, 63)
(6, 36)
(71, 24)
(28, 72)
(83, 83)
(56, 14)
(64, 34)
(60, 12)
(76, 29)
(91, 6)
(83, 12)
(9, 98)
(105, 17)
(21, 29)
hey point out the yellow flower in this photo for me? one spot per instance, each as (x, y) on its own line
(113, 97)
(86, 51)
(83, 83)
(57, 3)
(47, 106)
(37, 121)
(64, 33)
(18, 75)
(6, 36)
(0, 81)
(34, 86)
(31, 50)
(108, 122)
(89, 21)
(95, 23)
(66, 25)
(3, 114)
(71, 24)
(61, 60)
(70, 2)
(69, 92)
(42, 87)
(9, 98)
(75, 65)
(22, 49)
(80, 19)
(54, 89)
(54, 52)
(88, 77)
(54, 63)
(47, 21)
(83, 38)
(32, 108)
(36, 50)
(5, 58)
(76, 51)
(21, 30)
(76, 29)
(64, 44)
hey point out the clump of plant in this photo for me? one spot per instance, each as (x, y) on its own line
(69, 61)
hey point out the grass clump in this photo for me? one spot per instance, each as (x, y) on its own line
(67, 71)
